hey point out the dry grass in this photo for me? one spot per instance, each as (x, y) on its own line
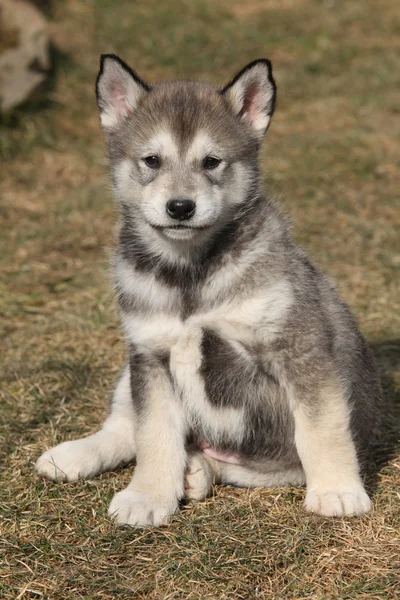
(333, 156)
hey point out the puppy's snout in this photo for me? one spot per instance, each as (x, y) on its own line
(181, 209)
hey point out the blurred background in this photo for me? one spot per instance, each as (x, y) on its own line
(332, 156)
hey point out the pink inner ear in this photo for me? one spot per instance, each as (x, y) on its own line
(119, 100)
(250, 104)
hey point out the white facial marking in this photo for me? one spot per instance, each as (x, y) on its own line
(201, 147)
(163, 144)
(181, 176)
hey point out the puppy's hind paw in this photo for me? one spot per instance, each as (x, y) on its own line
(199, 477)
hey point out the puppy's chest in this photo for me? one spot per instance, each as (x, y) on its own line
(159, 330)
(153, 311)
(207, 355)
(156, 315)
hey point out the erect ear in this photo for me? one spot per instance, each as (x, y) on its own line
(252, 93)
(118, 91)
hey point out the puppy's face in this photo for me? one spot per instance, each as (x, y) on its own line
(183, 154)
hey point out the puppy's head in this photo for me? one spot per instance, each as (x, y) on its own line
(183, 154)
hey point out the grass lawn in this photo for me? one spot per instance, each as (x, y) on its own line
(333, 157)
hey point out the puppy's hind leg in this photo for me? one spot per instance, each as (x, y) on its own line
(199, 477)
(203, 471)
(103, 451)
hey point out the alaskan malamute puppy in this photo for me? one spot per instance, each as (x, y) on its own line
(245, 367)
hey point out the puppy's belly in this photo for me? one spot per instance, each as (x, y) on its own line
(238, 382)
(233, 404)
(258, 434)
(228, 457)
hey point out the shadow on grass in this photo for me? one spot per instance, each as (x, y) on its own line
(387, 355)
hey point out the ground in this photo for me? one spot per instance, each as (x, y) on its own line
(332, 157)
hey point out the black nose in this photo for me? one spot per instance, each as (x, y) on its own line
(181, 209)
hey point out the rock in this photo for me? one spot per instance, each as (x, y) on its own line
(24, 52)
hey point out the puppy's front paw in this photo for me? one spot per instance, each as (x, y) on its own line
(70, 461)
(333, 503)
(199, 477)
(138, 509)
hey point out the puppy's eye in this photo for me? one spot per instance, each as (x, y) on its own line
(211, 162)
(152, 161)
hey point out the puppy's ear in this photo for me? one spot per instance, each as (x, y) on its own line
(118, 91)
(252, 93)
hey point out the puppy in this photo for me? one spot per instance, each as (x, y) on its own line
(245, 367)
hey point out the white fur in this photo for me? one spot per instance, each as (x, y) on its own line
(156, 434)
(152, 333)
(257, 119)
(163, 144)
(199, 477)
(123, 178)
(158, 481)
(109, 119)
(224, 472)
(327, 453)
(240, 320)
(156, 243)
(202, 146)
(237, 321)
(136, 508)
(165, 187)
(145, 287)
(180, 176)
(153, 495)
(256, 317)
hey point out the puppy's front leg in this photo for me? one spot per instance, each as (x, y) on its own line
(327, 452)
(158, 481)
